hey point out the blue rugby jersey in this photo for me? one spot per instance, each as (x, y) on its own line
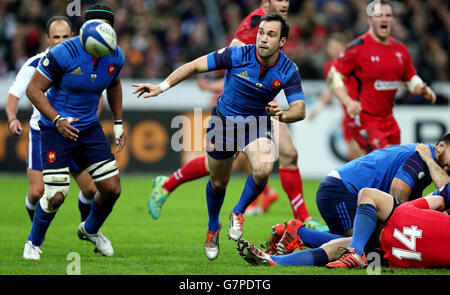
(78, 80)
(380, 167)
(443, 191)
(249, 86)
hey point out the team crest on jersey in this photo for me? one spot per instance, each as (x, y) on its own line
(276, 84)
(93, 77)
(259, 85)
(46, 62)
(111, 69)
(51, 157)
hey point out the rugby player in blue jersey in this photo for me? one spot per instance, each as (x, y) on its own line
(255, 75)
(66, 89)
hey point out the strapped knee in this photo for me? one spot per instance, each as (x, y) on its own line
(103, 170)
(56, 188)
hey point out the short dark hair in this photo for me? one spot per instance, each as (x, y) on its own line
(57, 18)
(99, 11)
(277, 17)
(445, 138)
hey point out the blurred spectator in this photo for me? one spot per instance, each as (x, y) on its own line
(159, 35)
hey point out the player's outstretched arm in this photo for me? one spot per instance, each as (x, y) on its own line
(336, 84)
(200, 65)
(417, 87)
(438, 175)
(114, 96)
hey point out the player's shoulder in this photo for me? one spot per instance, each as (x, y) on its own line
(69, 49)
(118, 55)
(396, 43)
(286, 65)
(34, 60)
(255, 17)
(356, 43)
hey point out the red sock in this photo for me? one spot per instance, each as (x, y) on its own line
(193, 169)
(291, 181)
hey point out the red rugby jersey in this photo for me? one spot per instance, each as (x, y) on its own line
(248, 29)
(375, 72)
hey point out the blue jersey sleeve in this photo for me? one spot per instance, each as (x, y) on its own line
(52, 65)
(120, 63)
(412, 170)
(220, 59)
(443, 192)
(293, 88)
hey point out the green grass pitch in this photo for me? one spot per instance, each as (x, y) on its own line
(171, 245)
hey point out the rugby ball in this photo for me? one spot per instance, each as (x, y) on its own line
(98, 38)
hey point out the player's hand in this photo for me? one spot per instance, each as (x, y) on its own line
(274, 109)
(150, 89)
(424, 152)
(15, 127)
(353, 108)
(66, 129)
(427, 93)
(120, 136)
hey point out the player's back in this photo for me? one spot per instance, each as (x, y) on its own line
(378, 168)
(78, 80)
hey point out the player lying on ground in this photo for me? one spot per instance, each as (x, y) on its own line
(414, 235)
(245, 101)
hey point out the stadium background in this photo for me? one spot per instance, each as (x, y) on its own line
(157, 36)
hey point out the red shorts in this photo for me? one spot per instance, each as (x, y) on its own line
(375, 132)
(417, 238)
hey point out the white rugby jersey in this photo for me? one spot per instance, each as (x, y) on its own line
(19, 86)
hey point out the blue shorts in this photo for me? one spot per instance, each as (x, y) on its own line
(225, 136)
(34, 159)
(91, 147)
(336, 204)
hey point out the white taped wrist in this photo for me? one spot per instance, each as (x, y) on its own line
(164, 86)
(411, 84)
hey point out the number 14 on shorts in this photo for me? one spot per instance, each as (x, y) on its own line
(408, 238)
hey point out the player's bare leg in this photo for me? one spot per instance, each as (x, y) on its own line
(354, 151)
(261, 155)
(291, 179)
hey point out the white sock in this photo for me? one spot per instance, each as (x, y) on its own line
(83, 199)
(29, 205)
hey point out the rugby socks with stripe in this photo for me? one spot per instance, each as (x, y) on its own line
(214, 201)
(363, 227)
(84, 206)
(291, 181)
(317, 257)
(30, 208)
(41, 222)
(250, 192)
(194, 169)
(96, 217)
(313, 238)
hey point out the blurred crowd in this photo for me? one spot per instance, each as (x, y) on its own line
(159, 35)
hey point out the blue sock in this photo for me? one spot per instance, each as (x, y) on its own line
(214, 201)
(313, 238)
(317, 257)
(363, 227)
(41, 222)
(30, 208)
(96, 218)
(249, 194)
(84, 206)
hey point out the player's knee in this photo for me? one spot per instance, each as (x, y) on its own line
(219, 185)
(364, 196)
(35, 193)
(261, 173)
(89, 191)
(288, 158)
(56, 188)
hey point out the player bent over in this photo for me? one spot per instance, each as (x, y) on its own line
(70, 129)
(243, 99)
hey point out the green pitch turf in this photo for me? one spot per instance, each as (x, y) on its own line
(171, 245)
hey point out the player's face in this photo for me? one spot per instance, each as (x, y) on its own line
(268, 40)
(443, 156)
(382, 21)
(59, 32)
(278, 6)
